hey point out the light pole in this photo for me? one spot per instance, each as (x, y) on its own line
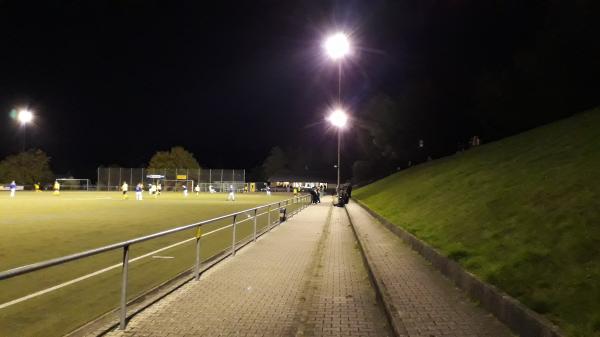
(24, 117)
(337, 46)
(338, 118)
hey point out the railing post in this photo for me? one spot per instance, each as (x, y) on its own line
(269, 217)
(255, 219)
(233, 237)
(197, 265)
(278, 211)
(123, 315)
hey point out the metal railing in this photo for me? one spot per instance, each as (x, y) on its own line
(301, 201)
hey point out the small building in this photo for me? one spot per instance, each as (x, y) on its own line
(283, 182)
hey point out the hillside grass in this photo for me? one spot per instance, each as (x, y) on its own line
(522, 213)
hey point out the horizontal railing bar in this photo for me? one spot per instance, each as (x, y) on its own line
(3, 305)
(64, 259)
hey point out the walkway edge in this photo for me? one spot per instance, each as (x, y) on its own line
(380, 289)
(508, 310)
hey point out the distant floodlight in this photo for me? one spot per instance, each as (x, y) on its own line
(25, 116)
(337, 46)
(338, 118)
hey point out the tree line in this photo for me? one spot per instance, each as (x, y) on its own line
(33, 166)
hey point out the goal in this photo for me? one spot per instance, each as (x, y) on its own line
(74, 184)
(177, 185)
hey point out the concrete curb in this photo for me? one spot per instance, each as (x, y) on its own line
(520, 319)
(381, 292)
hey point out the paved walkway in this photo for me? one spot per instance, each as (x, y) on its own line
(426, 304)
(305, 278)
(341, 299)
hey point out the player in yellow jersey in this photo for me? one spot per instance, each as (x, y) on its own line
(56, 188)
(125, 188)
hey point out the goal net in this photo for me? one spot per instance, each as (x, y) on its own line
(73, 184)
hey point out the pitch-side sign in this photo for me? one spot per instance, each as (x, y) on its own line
(155, 176)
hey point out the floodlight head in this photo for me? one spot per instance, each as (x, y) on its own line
(337, 45)
(338, 118)
(24, 116)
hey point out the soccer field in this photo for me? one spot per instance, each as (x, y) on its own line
(39, 226)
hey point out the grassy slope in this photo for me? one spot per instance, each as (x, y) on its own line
(35, 227)
(523, 213)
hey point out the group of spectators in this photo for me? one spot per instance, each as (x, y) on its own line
(344, 194)
(315, 194)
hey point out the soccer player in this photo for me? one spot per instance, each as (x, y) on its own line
(13, 189)
(158, 189)
(211, 189)
(36, 187)
(125, 188)
(185, 191)
(268, 189)
(197, 189)
(56, 188)
(138, 191)
(152, 190)
(231, 195)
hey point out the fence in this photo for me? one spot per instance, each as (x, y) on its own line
(111, 178)
(292, 206)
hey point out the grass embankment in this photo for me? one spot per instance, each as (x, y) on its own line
(40, 226)
(522, 213)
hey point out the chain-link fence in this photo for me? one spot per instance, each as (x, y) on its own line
(111, 178)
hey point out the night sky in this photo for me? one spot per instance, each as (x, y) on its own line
(112, 82)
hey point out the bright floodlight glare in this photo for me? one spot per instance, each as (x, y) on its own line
(338, 118)
(337, 46)
(25, 116)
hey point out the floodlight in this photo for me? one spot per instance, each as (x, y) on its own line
(338, 118)
(337, 46)
(24, 116)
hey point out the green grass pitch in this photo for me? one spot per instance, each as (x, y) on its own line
(40, 226)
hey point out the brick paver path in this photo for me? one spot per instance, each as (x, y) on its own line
(341, 299)
(298, 280)
(425, 303)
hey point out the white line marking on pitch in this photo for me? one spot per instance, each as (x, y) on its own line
(85, 277)
(98, 272)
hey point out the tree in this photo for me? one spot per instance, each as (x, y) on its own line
(177, 157)
(276, 162)
(26, 168)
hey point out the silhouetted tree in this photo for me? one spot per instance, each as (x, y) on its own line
(26, 167)
(177, 157)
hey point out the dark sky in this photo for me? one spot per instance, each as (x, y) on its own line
(111, 82)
